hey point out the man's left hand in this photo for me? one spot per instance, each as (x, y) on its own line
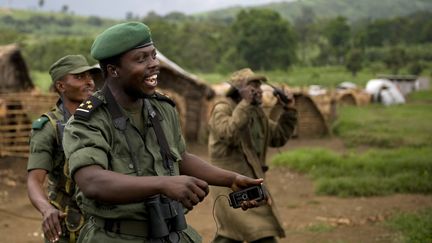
(242, 182)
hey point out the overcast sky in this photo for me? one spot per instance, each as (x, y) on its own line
(119, 8)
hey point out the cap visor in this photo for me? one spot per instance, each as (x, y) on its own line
(256, 78)
(83, 69)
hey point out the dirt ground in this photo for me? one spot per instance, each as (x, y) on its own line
(306, 216)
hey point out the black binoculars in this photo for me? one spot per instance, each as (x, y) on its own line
(165, 216)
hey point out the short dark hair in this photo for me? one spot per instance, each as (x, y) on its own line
(114, 60)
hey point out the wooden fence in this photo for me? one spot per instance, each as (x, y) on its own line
(17, 111)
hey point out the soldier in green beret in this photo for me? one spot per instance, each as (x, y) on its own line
(62, 219)
(127, 154)
(240, 134)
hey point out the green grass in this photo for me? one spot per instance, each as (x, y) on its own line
(420, 96)
(41, 80)
(328, 76)
(320, 228)
(388, 127)
(415, 227)
(377, 172)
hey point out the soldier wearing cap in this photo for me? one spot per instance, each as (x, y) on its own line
(239, 136)
(127, 154)
(62, 218)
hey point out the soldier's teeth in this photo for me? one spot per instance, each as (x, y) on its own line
(153, 77)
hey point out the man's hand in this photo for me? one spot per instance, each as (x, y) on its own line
(186, 189)
(242, 182)
(287, 101)
(251, 94)
(51, 224)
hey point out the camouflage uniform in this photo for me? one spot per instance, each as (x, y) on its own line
(46, 153)
(96, 141)
(239, 136)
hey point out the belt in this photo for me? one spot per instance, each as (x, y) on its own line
(126, 227)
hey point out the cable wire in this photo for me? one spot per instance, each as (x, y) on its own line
(213, 213)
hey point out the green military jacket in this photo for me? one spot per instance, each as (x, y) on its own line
(45, 148)
(95, 141)
(239, 137)
(46, 152)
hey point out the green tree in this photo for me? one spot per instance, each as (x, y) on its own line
(304, 29)
(426, 33)
(9, 36)
(354, 61)
(415, 68)
(65, 8)
(94, 20)
(263, 39)
(395, 59)
(338, 32)
(41, 54)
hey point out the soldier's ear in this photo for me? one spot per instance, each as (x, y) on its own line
(112, 71)
(59, 86)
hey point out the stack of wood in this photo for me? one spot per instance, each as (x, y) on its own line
(17, 110)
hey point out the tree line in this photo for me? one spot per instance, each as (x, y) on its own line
(257, 38)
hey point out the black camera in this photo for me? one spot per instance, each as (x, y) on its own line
(256, 193)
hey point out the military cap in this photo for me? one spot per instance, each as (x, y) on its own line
(70, 64)
(121, 38)
(244, 76)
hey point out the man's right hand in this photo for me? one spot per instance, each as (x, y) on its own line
(186, 189)
(248, 93)
(51, 224)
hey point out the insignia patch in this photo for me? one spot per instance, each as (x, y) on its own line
(39, 123)
(86, 108)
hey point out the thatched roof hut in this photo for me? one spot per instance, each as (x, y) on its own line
(14, 74)
(190, 94)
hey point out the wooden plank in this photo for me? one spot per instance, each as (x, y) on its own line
(14, 154)
(16, 112)
(15, 134)
(18, 148)
(15, 140)
(15, 127)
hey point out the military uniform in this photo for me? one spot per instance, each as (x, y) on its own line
(239, 137)
(46, 153)
(93, 139)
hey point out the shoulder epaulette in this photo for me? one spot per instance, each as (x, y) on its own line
(163, 97)
(39, 123)
(86, 109)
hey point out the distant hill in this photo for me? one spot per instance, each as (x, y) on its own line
(353, 10)
(47, 24)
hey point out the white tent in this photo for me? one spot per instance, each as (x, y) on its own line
(385, 92)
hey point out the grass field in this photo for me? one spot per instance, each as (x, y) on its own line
(376, 172)
(328, 76)
(398, 158)
(41, 80)
(415, 227)
(387, 127)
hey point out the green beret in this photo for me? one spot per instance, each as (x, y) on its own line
(70, 64)
(121, 38)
